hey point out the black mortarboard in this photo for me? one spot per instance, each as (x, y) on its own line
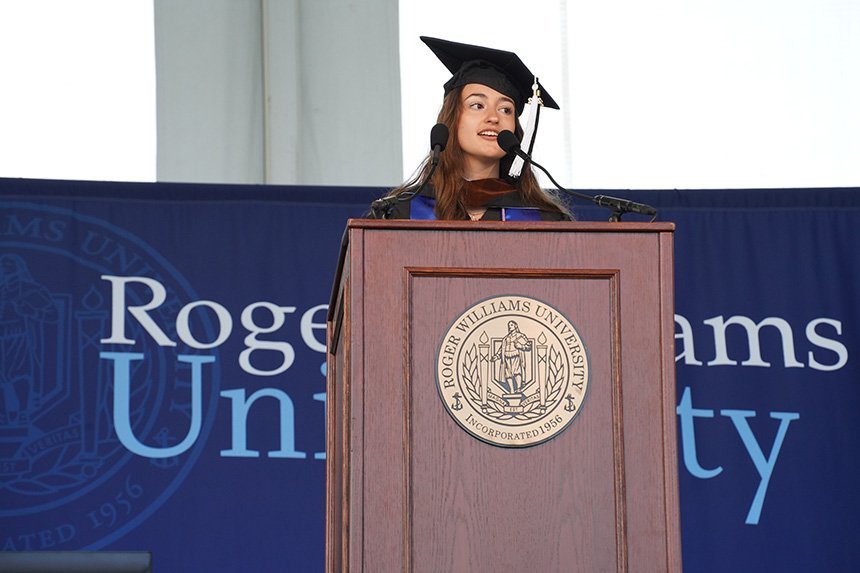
(503, 71)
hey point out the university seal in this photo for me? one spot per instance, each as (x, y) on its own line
(66, 480)
(512, 371)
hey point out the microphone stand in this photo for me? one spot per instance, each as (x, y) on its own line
(618, 207)
(381, 208)
(384, 205)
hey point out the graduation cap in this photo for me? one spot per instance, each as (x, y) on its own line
(501, 70)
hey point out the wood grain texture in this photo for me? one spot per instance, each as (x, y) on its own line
(418, 493)
(545, 502)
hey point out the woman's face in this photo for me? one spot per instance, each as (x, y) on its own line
(484, 113)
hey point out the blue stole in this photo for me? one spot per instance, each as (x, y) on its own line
(421, 207)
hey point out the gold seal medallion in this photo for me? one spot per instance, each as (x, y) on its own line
(512, 371)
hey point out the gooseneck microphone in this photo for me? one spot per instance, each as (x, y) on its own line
(510, 144)
(438, 141)
(381, 208)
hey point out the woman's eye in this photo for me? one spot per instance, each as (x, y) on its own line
(476, 105)
(506, 110)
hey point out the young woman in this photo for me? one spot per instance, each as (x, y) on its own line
(488, 91)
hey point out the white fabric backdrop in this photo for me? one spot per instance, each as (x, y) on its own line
(329, 72)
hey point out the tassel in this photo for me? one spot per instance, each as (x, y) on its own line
(530, 130)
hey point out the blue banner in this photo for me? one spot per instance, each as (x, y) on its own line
(162, 379)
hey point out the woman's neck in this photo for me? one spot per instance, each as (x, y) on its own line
(475, 169)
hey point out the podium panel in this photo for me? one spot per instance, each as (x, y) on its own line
(410, 489)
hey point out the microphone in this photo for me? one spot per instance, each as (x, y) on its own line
(511, 145)
(438, 142)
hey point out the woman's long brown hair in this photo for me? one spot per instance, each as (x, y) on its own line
(448, 178)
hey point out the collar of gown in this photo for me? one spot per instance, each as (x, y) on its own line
(480, 192)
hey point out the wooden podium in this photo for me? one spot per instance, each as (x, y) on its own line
(409, 489)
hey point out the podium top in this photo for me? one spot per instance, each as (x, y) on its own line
(519, 226)
(485, 226)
